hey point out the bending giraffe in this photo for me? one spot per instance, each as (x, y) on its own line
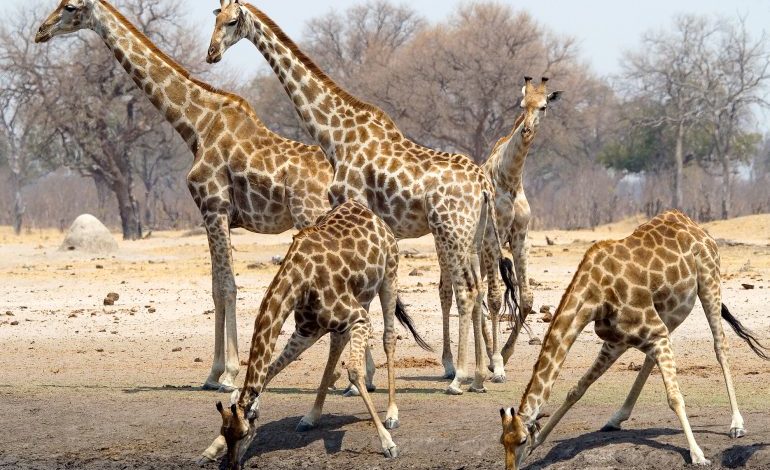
(243, 175)
(329, 277)
(414, 189)
(505, 168)
(636, 291)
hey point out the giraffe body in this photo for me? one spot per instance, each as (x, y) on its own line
(243, 175)
(636, 291)
(414, 189)
(330, 275)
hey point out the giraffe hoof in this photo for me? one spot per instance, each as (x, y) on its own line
(351, 391)
(211, 385)
(610, 428)
(304, 426)
(226, 389)
(475, 389)
(371, 388)
(391, 423)
(498, 378)
(453, 390)
(391, 453)
(702, 461)
(449, 375)
(735, 433)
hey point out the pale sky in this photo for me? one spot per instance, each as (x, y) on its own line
(603, 28)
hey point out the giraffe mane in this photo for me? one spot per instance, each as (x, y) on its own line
(504, 140)
(174, 64)
(315, 69)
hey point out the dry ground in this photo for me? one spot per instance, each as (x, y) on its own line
(88, 386)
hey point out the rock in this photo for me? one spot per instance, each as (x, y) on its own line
(747, 286)
(549, 241)
(88, 234)
(100, 350)
(9, 313)
(535, 341)
(416, 272)
(14, 323)
(547, 317)
(151, 310)
(99, 266)
(634, 367)
(111, 298)
(277, 260)
(256, 266)
(176, 349)
(197, 359)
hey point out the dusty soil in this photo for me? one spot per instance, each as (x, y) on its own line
(83, 385)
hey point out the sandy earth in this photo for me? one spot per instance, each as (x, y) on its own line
(88, 386)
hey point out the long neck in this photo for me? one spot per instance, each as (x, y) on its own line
(569, 320)
(329, 113)
(184, 101)
(280, 299)
(511, 154)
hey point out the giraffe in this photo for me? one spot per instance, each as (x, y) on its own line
(415, 190)
(505, 169)
(243, 175)
(636, 291)
(329, 277)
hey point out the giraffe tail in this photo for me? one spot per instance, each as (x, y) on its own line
(510, 302)
(745, 334)
(407, 322)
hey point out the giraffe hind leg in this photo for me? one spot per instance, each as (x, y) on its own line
(445, 295)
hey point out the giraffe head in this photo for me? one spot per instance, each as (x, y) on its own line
(229, 29)
(535, 100)
(70, 16)
(238, 428)
(517, 438)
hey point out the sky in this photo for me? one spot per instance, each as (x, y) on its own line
(604, 28)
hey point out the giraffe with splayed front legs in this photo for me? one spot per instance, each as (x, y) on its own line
(329, 277)
(243, 175)
(505, 168)
(636, 291)
(414, 189)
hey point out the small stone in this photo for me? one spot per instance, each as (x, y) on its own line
(277, 260)
(151, 310)
(111, 298)
(99, 266)
(14, 323)
(547, 317)
(100, 350)
(416, 272)
(535, 341)
(549, 255)
(256, 266)
(73, 315)
(9, 313)
(634, 367)
(747, 286)
(176, 349)
(197, 359)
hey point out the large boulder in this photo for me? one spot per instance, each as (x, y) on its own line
(88, 234)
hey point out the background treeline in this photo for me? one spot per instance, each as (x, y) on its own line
(682, 125)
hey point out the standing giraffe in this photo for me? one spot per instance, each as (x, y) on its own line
(243, 175)
(636, 291)
(505, 168)
(329, 277)
(415, 190)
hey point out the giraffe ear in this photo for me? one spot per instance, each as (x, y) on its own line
(234, 396)
(220, 407)
(217, 11)
(555, 96)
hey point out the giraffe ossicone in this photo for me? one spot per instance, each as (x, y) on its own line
(242, 175)
(636, 291)
(331, 273)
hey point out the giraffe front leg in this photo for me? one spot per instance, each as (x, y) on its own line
(336, 346)
(388, 298)
(624, 412)
(297, 344)
(664, 357)
(226, 364)
(519, 242)
(359, 334)
(445, 295)
(494, 302)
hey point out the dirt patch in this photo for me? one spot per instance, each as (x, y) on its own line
(412, 363)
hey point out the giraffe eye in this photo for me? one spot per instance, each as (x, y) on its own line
(233, 22)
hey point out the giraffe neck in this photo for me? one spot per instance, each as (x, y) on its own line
(329, 113)
(570, 319)
(512, 151)
(281, 297)
(181, 99)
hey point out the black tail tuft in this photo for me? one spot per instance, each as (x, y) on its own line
(745, 334)
(406, 321)
(510, 302)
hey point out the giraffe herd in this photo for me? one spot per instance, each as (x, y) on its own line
(364, 186)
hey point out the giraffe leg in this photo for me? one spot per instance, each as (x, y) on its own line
(336, 346)
(494, 303)
(465, 294)
(607, 356)
(297, 344)
(711, 299)
(445, 294)
(480, 373)
(624, 412)
(371, 368)
(519, 242)
(388, 298)
(359, 334)
(664, 357)
(226, 364)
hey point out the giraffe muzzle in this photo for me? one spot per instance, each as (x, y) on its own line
(213, 56)
(43, 35)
